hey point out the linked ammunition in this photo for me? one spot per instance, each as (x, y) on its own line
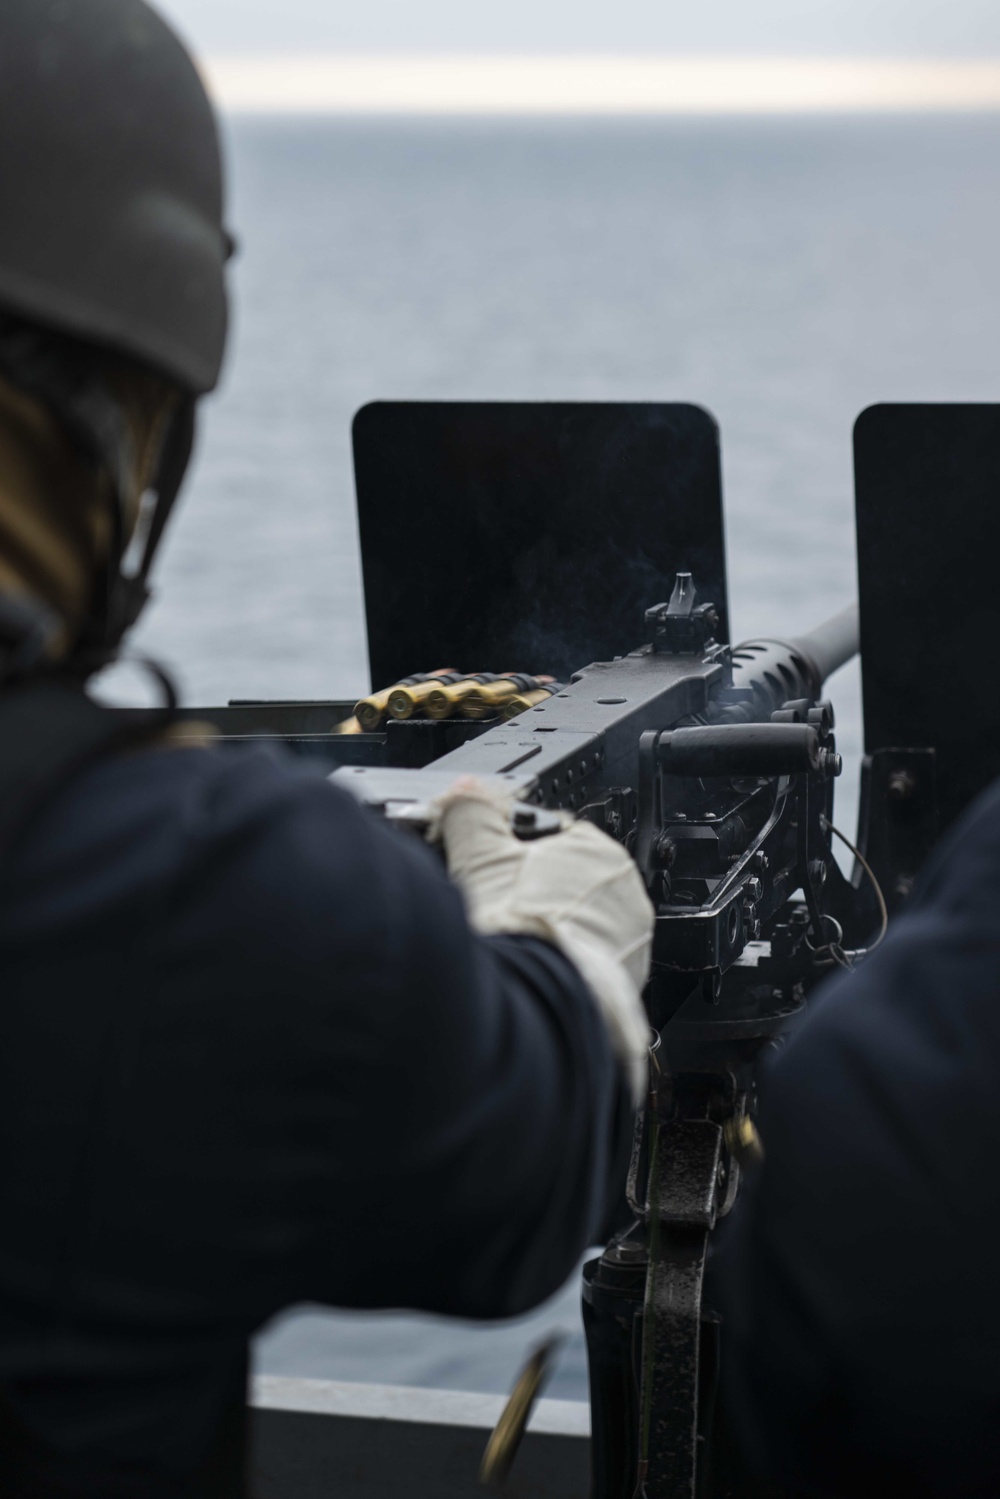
(404, 701)
(442, 702)
(525, 700)
(494, 696)
(347, 726)
(371, 710)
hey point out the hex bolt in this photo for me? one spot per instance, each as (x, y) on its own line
(901, 784)
(665, 850)
(631, 1254)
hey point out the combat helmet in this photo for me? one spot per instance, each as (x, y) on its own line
(111, 231)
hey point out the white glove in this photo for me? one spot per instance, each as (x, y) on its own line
(577, 889)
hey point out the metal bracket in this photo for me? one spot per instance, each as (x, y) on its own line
(898, 821)
(688, 1170)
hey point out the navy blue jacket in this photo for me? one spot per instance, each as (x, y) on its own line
(862, 1271)
(251, 1054)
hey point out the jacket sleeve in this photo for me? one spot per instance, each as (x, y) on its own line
(858, 1277)
(420, 1117)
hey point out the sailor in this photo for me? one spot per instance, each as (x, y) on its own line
(859, 1276)
(256, 1048)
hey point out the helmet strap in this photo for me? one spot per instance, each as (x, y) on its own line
(61, 375)
(130, 593)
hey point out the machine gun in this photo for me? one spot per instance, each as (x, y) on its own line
(715, 767)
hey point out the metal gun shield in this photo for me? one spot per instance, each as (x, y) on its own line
(531, 533)
(927, 485)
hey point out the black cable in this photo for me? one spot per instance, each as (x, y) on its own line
(848, 958)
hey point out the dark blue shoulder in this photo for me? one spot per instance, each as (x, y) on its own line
(229, 829)
(965, 867)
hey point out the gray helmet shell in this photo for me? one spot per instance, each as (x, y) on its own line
(111, 185)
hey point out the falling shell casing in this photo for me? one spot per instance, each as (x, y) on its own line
(501, 1449)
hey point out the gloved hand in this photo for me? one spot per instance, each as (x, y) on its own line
(577, 889)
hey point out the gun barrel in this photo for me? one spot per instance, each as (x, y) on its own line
(833, 643)
(769, 673)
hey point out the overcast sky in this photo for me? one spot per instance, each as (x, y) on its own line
(966, 28)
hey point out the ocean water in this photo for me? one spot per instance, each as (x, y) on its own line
(785, 274)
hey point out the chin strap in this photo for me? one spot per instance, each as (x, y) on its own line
(61, 373)
(129, 594)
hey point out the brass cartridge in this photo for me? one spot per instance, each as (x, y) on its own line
(404, 701)
(442, 702)
(501, 1449)
(525, 700)
(371, 710)
(347, 726)
(492, 697)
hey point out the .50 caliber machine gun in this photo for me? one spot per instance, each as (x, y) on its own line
(715, 767)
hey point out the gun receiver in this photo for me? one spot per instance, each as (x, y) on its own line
(696, 756)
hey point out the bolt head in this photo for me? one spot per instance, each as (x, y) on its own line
(901, 784)
(665, 849)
